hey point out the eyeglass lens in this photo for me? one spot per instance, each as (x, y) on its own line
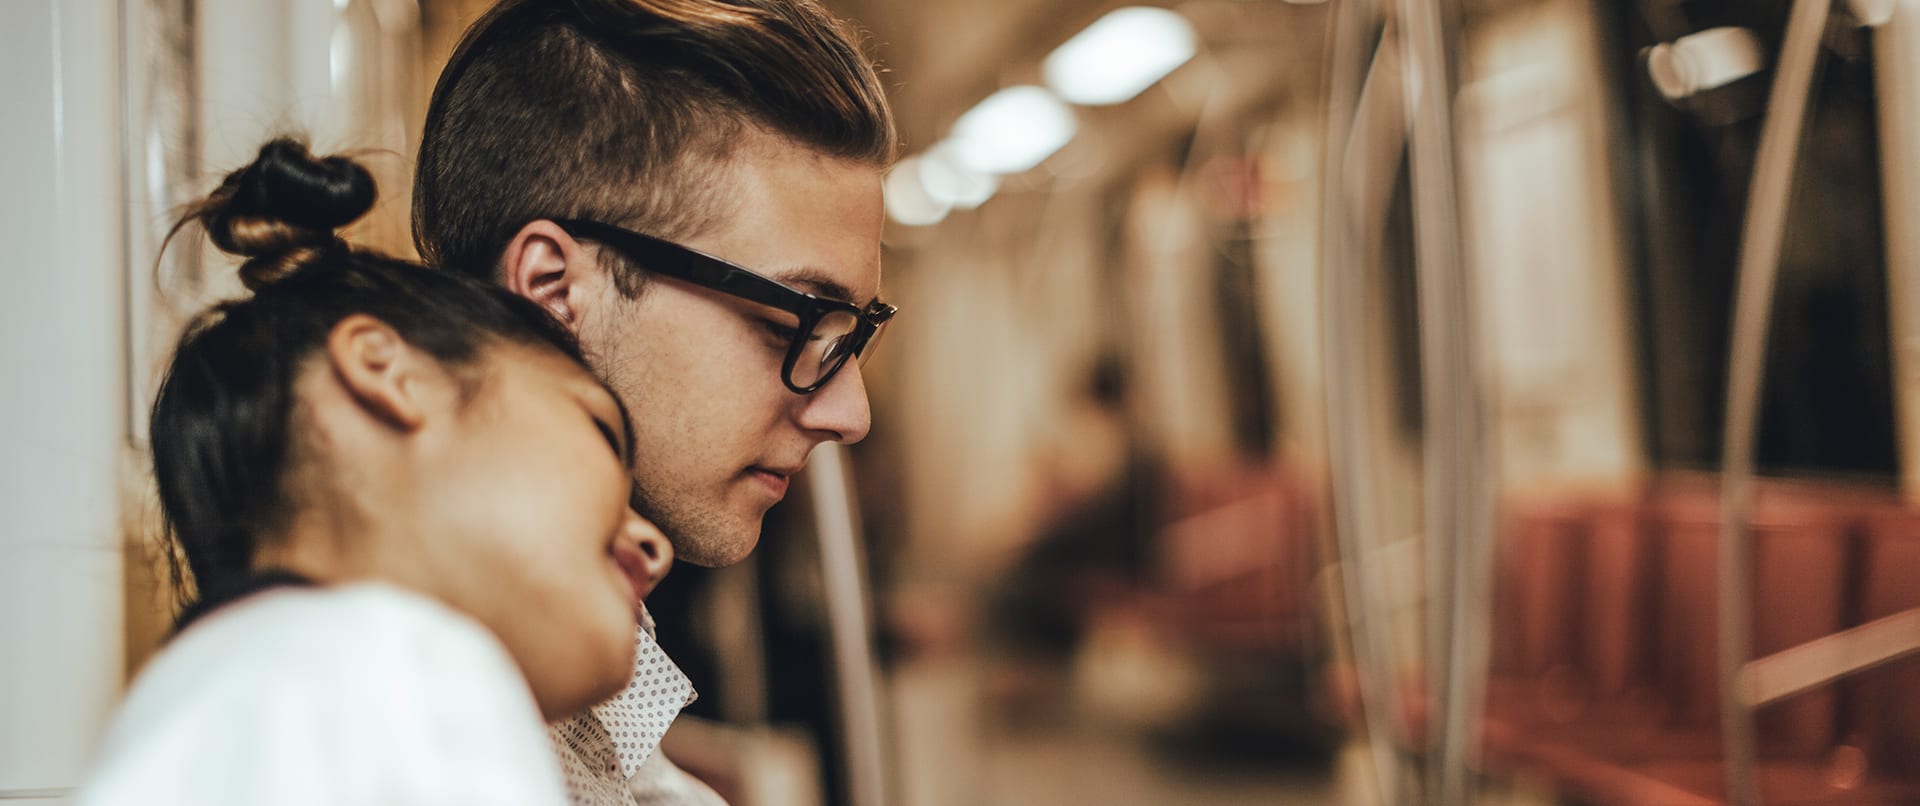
(825, 348)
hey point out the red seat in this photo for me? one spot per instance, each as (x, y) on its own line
(1800, 558)
(1239, 576)
(1569, 611)
(1885, 718)
(1571, 698)
(1612, 686)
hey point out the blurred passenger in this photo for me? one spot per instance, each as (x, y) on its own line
(1101, 507)
(402, 499)
(693, 188)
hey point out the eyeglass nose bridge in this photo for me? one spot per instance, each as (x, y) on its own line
(867, 326)
(860, 338)
(873, 321)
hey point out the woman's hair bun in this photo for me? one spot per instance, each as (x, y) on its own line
(282, 210)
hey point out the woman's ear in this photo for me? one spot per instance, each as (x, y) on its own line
(537, 265)
(380, 370)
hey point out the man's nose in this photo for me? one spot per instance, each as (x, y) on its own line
(839, 409)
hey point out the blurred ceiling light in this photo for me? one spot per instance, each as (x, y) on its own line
(340, 57)
(907, 199)
(1871, 13)
(1702, 61)
(1012, 130)
(1120, 55)
(946, 181)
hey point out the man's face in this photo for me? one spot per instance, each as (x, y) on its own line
(717, 435)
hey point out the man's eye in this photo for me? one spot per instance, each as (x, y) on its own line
(779, 331)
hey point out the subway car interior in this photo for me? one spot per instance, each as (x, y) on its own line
(1291, 401)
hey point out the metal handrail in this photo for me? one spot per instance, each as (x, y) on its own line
(1759, 266)
(1456, 477)
(1824, 660)
(1349, 458)
(1896, 53)
(1828, 658)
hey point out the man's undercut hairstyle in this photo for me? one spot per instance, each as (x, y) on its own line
(625, 111)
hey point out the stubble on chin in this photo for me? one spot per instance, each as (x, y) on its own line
(700, 536)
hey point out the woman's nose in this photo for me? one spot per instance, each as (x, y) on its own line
(655, 549)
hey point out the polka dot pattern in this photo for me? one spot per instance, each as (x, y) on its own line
(601, 749)
(640, 715)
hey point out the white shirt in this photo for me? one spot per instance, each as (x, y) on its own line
(607, 754)
(359, 694)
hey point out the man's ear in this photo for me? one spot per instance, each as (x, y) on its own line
(538, 264)
(380, 370)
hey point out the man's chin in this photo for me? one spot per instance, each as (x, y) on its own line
(714, 559)
(701, 538)
(711, 550)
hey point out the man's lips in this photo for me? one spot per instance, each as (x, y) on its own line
(776, 479)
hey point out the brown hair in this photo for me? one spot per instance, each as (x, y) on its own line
(625, 111)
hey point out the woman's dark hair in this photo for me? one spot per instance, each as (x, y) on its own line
(221, 428)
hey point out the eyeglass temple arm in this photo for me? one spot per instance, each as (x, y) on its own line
(682, 263)
(715, 274)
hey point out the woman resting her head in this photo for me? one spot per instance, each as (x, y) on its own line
(403, 500)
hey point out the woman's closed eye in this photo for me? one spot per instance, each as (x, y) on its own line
(611, 435)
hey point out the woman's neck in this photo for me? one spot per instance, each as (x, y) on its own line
(328, 545)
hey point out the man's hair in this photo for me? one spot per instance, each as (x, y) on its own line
(625, 111)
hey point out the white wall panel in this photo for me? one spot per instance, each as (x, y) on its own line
(62, 365)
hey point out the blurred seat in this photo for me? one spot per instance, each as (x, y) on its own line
(1801, 546)
(1238, 574)
(1885, 701)
(1606, 660)
(1573, 695)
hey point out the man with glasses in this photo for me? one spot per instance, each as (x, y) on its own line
(694, 187)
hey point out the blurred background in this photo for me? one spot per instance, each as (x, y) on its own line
(1484, 401)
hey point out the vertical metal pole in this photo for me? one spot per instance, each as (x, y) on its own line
(1896, 50)
(1349, 451)
(851, 633)
(1767, 200)
(1455, 478)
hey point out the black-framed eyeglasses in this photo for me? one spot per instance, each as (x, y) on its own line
(829, 331)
